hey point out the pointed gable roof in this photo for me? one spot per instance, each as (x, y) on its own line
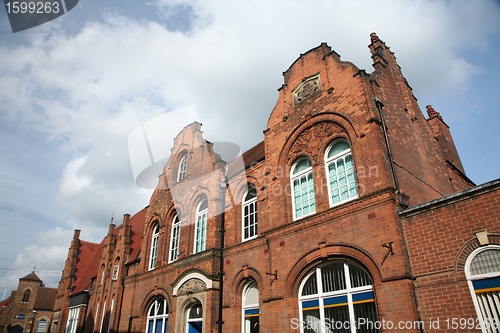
(45, 299)
(31, 277)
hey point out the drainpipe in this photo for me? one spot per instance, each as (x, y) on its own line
(223, 185)
(380, 105)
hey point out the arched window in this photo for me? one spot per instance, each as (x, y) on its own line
(116, 269)
(482, 269)
(181, 172)
(340, 173)
(154, 247)
(334, 295)
(200, 237)
(250, 307)
(195, 319)
(174, 239)
(158, 316)
(41, 326)
(249, 213)
(304, 201)
(26, 296)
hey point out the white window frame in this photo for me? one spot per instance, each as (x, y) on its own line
(200, 235)
(38, 325)
(320, 295)
(175, 236)
(304, 173)
(329, 160)
(245, 306)
(157, 316)
(248, 204)
(182, 170)
(73, 316)
(471, 278)
(155, 235)
(192, 320)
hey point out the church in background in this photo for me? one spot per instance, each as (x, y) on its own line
(354, 214)
(29, 308)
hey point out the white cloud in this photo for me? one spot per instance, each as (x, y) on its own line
(86, 91)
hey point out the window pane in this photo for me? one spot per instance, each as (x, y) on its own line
(195, 312)
(312, 321)
(359, 277)
(337, 318)
(338, 148)
(367, 311)
(486, 262)
(333, 277)
(311, 286)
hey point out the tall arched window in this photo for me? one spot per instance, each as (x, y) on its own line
(482, 269)
(249, 214)
(335, 295)
(154, 247)
(200, 239)
(181, 171)
(340, 173)
(158, 316)
(195, 319)
(250, 305)
(26, 296)
(304, 201)
(174, 239)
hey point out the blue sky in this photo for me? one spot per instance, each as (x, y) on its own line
(73, 89)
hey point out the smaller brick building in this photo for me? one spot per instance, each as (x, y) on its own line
(29, 308)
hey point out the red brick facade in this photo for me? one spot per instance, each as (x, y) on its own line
(346, 181)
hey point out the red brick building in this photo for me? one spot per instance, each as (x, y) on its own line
(353, 215)
(29, 308)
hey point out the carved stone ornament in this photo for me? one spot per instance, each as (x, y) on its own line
(192, 286)
(306, 89)
(313, 138)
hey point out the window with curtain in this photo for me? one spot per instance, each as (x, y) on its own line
(482, 269)
(249, 214)
(154, 247)
(200, 240)
(174, 239)
(41, 326)
(304, 201)
(335, 295)
(340, 173)
(157, 320)
(181, 172)
(250, 307)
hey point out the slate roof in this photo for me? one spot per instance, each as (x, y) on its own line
(45, 299)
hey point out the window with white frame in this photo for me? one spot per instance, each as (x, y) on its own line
(249, 214)
(200, 237)
(72, 323)
(340, 173)
(482, 269)
(154, 247)
(250, 307)
(157, 321)
(174, 239)
(335, 295)
(41, 326)
(304, 201)
(194, 318)
(181, 172)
